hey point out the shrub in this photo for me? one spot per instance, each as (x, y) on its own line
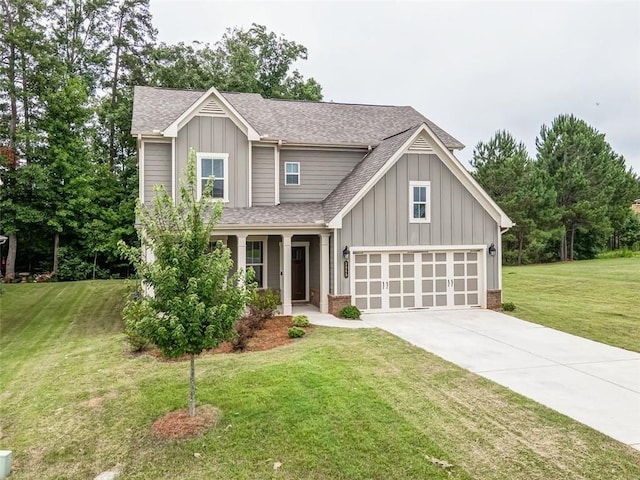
(350, 311)
(300, 321)
(508, 306)
(264, 304)
(245, 329)
(132, 314)
(296, 332)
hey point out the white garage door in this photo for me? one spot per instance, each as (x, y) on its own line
(384, 281)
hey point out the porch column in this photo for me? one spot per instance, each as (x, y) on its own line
(242, 252)
(324, 272)
(286, 275)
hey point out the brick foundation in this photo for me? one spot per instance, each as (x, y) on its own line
(314, 297)
(337, 303)
(494, 299)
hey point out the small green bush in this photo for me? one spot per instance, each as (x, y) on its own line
(300, 321)
(132, 316)
(508, 306)
(296, 332)
(264, 303)
(350, 311)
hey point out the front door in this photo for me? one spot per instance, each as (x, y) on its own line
(298, 274)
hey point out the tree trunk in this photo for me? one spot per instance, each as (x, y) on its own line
(573, 236)
(95, 261)
(192, 396)
(563, 247)
(520, 247)
(114, 92)
(10, 272)
(56, 245)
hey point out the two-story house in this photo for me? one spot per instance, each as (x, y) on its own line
(331, 203)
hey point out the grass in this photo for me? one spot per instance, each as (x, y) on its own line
(338, 404)
(596, 299)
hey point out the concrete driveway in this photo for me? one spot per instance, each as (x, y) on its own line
(588, 381)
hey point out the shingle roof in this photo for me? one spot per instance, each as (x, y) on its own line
(286, 213)
(154, 109)
(363, 172)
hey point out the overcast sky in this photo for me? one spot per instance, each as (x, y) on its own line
(471, 67)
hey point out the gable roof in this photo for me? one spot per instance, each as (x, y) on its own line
(363, 172)
(375, 165)
(292, 121)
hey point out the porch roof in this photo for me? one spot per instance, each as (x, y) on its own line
(284, 214)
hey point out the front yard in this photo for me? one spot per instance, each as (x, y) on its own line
(597, 299)
(338, 404)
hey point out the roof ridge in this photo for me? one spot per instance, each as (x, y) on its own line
(403, 131)
(335, 103)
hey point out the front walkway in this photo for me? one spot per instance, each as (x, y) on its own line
(326, 319)
(593, 383)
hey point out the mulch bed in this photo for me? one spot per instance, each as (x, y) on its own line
(178, 425)
(273, 334)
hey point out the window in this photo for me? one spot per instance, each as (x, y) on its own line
(216, 167)
(419, 202)
(292, 173)
(255, 259)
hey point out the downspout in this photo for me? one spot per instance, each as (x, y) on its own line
(140, 169)
(173, 170)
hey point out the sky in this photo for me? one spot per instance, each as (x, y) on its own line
(471, 67)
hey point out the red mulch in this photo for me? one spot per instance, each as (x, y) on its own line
(178, 425)
(274, 333)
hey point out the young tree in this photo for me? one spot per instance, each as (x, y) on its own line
(194, 301)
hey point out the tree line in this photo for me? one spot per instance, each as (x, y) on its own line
(570, 202)
(68, 171)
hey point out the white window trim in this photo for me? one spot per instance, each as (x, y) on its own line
(265, 259)
(427, 218)
(225, 158)
(285, 173)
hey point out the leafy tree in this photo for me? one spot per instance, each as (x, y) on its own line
(195, 302)
(504, 169)
(586, 174)
(253, 60)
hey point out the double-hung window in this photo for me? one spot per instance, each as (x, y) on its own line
(214, 167)
(292, 173)
(419, 202)
(255, 259)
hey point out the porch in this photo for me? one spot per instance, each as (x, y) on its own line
(297, 265)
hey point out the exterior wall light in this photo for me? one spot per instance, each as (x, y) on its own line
(492, 250)
(346, 252)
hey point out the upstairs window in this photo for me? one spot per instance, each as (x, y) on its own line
(214, 166)
(419, 202)
(292, 173)
(255, 259)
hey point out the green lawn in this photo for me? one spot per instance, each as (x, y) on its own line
(338, 404)
(596, 299)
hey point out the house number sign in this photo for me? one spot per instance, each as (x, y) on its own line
(346, 269)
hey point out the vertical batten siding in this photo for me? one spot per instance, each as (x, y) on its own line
(381, 218)
(157, 168)
(273, 257)
(262, 176)
(320, 172)
(218, 135)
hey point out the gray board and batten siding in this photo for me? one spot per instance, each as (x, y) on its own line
(263, 176)
(218, 135)
(320, 172)
(157, 168)
(381, 218)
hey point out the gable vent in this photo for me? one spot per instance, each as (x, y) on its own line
(212, 108)
(421, 145)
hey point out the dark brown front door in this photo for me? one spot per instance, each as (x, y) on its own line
(298, 274)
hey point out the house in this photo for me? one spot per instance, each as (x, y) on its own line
(331, 203)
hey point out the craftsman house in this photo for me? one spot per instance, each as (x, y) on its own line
(331, 203)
